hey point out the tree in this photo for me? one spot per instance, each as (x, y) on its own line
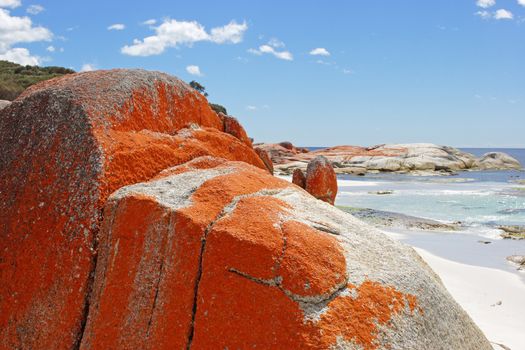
(200, 88)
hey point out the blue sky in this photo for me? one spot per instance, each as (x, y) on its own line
(317, 73)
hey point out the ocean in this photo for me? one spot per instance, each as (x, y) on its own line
(479, 200)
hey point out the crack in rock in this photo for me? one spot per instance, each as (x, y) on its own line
(227, 209)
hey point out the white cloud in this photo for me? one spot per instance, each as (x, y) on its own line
(503, 14)
(232, 32)
(20, 29)
(149, 22)
(270, 48)
(172, 33)
(521, 2)
(320, 51)
(117, 26)
(88, 67)
(35, 9)
(483, 14)
(486, 3)
(51, 48)
(21, 56)
(10, 3)
(283, 55)
(194, 70)
(15, 30)
(274, 42)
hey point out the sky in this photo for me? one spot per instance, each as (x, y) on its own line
(316, 73)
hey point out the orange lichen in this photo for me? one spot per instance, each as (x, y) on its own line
(357, 318)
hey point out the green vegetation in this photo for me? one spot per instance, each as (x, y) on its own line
(200, 88)
(218, 108)
(15, 78)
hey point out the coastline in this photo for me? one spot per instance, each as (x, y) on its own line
(472, 266)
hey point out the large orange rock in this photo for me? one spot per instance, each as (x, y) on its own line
(321, 181)
(215, 254)
(66, 145)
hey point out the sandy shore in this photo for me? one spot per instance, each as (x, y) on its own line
(495, 299)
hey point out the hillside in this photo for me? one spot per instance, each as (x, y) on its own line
(15, 78)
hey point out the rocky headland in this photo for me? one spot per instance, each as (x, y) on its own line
(416, 158)
(135, 217)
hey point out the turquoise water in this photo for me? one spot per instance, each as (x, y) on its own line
(480, 200)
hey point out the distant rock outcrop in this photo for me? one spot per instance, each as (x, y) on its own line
(132, 220)
(496, 161)
(418, 158)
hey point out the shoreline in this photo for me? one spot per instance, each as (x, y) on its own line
(473, 268)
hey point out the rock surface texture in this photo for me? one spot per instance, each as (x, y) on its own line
(132, 220)
(67, 144)
(417, 158)
(4, 104)
(217, 254)
(321, 181)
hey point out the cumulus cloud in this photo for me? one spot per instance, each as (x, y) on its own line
(15, 30)
(149, 22)
(117, 26)
(521, 2)
(503, 14)
(51, 48)
(271, 48)
(10, 3)
(88, 67)
(194, 70)
(320, 51)
(35, 9)
(486, 3)
(251, 108)
(21, 56)
(173, 33)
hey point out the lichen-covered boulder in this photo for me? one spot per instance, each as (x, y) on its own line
(321, 180)
(265, 158)
(298, 178)
(215, 254)
(68, 143)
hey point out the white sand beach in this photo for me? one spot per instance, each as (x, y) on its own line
(495, 299)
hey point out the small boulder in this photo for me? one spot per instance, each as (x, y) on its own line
(298, 178)
(321, 181)
(287, 145)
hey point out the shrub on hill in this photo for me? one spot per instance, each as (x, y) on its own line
(15, 78)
